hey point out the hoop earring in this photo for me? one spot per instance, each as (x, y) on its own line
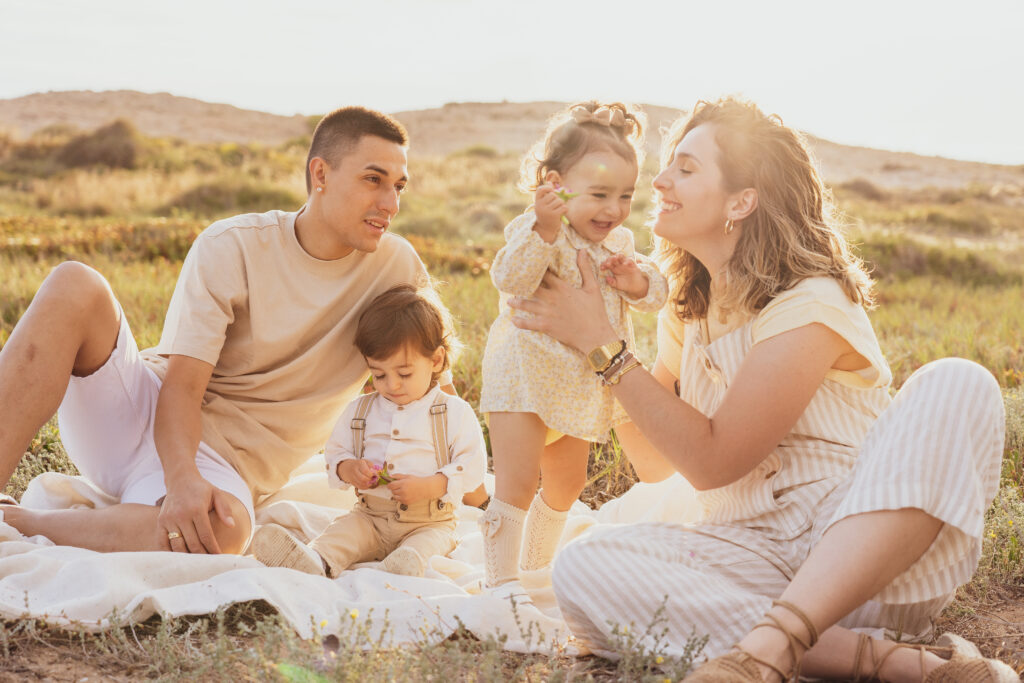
(729, 226)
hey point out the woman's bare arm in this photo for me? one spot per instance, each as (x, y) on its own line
(771, 390)
(649, 463)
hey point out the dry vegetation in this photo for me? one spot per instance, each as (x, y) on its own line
(950, 272)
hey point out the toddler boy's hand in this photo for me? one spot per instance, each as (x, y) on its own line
(407, 489)
(625, 275)
(358, 473)
(550, 209)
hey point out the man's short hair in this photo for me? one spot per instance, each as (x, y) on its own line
(339, 131)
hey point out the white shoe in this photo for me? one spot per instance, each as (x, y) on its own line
(274, 546)
(404, 561)
(510, 591)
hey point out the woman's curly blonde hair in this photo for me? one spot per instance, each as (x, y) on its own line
(791, 234)
(578, 130)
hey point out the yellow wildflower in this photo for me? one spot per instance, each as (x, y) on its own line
(354, 613)
(659, 660)
(323, 624)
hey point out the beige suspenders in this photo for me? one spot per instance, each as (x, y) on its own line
(438, 427)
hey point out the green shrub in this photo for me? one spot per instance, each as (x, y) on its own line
(1013, 462)
(862, 187)
(233, 195)
(477, 151)
(116, 145)
(893, 257)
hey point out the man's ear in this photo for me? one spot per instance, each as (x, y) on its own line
(552, 177)
(318, 168)
(438, 358)
(742, 204)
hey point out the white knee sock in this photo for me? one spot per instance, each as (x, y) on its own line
(502, 528)
(543, 530)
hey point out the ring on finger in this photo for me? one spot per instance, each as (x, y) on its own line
(173, 535)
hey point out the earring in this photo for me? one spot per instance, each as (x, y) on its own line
(729, 225)
(319, 189)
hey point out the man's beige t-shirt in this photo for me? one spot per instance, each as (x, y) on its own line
(278, 326)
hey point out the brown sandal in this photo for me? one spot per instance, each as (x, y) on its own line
(739, 666)
(965, 665)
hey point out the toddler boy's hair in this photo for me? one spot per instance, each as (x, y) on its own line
(405, 316)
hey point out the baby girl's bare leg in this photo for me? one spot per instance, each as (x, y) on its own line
(517, 440)
(563, 469)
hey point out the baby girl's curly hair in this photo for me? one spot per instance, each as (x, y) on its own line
(575, 132)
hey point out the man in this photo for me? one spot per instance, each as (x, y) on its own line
(254, 364)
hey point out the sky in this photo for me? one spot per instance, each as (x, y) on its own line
(938, 78)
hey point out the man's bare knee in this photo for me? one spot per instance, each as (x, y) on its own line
(76, 282)
(232, 539)
(85, 305)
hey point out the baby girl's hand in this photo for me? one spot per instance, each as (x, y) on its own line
(622, 273)
(550, 208)
(358, 473)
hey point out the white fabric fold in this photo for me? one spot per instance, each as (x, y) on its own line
(76, 588)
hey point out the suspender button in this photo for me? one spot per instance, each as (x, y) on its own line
(458, 468)
(403, 507)
(395, 432)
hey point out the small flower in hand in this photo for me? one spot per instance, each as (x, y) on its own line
(565, 195)
(381, 475)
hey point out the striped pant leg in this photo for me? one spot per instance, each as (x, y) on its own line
(937, 448)
(621, 575)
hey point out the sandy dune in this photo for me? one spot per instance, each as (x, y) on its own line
(505, 126)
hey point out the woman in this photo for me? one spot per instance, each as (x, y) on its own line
(826, 505)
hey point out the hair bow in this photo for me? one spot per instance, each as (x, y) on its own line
(603, 116)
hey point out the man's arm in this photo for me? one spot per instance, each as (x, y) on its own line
(177, 432)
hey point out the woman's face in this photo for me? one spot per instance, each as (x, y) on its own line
(693, 207)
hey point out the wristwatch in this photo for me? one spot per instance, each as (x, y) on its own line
(601, 357)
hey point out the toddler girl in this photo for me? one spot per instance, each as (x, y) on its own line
(409, 448)
(544, 401)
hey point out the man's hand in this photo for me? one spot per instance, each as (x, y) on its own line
(358, 473)
(184, 520)
(622, 273)
(550, 209)
(407, 489)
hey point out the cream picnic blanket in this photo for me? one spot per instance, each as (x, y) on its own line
(79, 588)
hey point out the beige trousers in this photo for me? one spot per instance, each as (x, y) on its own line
(377, 526)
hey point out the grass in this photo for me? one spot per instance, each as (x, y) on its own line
(950, 272)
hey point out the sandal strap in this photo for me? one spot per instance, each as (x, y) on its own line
(793, 641)
(812, 632)
(863, 643)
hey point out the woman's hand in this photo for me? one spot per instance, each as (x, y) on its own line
(576, 317)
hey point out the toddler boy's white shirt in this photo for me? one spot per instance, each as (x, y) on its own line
(401, 436)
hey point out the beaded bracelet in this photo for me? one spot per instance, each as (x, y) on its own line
(613, 375)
